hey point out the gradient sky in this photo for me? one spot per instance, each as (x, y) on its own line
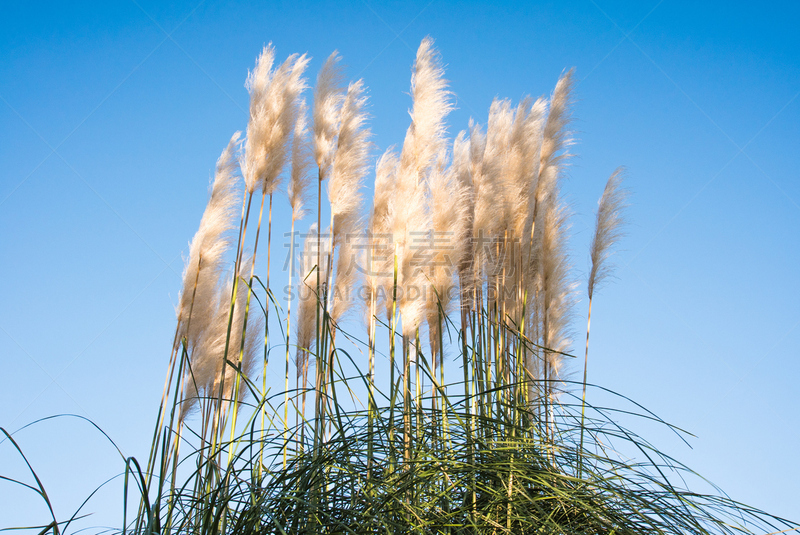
(113, 115)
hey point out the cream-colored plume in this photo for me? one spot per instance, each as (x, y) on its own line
(207, 250)
(448, 208)
(344, 192)
(299, 180)
(555, 138)
(425, 137)
(486, 190)
(308, 296)
(424, 142)
(462, 169)
(410, 231)
(608, 228)
(350, 162)
(208, 359)
(495, 164)
(557, 293)
(328, 98)
(548, 220)
(345, 291)
(273, 108)
(525, 141)
(379, 253)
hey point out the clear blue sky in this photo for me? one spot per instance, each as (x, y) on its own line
(113, 114)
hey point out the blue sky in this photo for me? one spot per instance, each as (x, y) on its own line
(112, 117)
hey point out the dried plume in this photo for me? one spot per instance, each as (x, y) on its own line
(410, 227)
(486, 190)
(344, 191)
(379, 255)
(608, 228)
(350, 162)
(425, 137)
(307, 297)
(424, 141)
(208, 359)
(557, 293)
(521, 176)
(448, 208)
(345, 293)
(328, 98)
(525, 143)
(495, 164)
(544, 198)
(555, 138)
(207, 250)
(274, 98)
(462, 170)
(496, 211)
(299, 180)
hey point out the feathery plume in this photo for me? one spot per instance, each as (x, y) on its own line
(344, 192)
(525, 139)
(486, 191)
(307, 297)
(462, 169)
(528, 139)
(207, 250)
(344, 285)
(607, 231)
(327, 101)
(424, 141)
(555, 137)
(608, 228)
(409, 234)
(385, 186)
(547, 219)
(379, 254)
(273, 109)
(498, 209)
(448, 215)
(410, 224)
(495, 162)
(299, 180)
(350, 161)
(425, 137)
(557, 293)
(208, 359)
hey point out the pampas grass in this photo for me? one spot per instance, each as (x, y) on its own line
(273, 112)
(209, 366)
(207, 250)
(344, 192)
(505, 451)
(608, 230)
(448, 206)
(474, 229)
(422, 146)
(327, 101)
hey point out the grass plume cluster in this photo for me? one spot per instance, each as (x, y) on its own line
(453, 413)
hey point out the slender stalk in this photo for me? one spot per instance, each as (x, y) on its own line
(406, 401)
(583, 397)
(288, 330)
(371, 411)
(176, 446)
(235, 397)
(319, 368)
(418, 385)
(393, 335)
(239, 250)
